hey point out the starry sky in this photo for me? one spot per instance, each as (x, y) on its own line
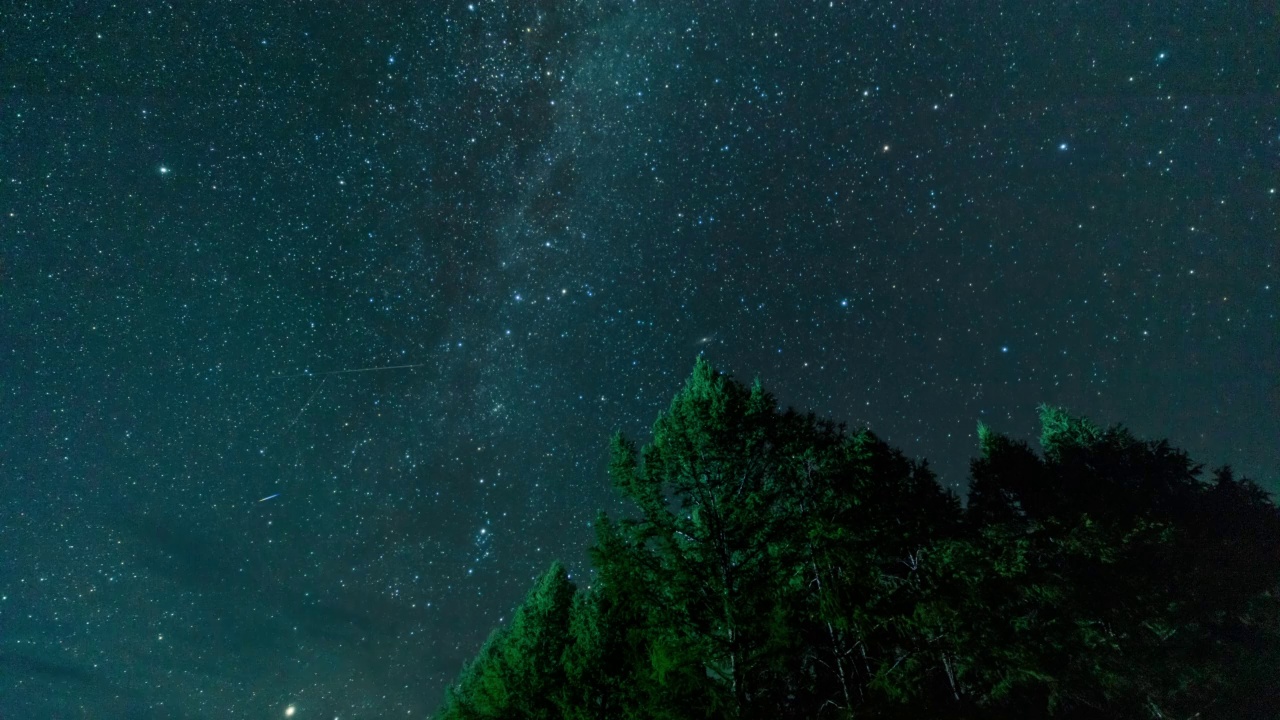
(317, 316)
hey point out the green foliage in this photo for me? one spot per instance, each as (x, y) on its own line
(1058, 430)
(519, 672)
(777, 566)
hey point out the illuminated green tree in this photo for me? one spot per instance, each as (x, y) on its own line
(777, 566)
(519, 674)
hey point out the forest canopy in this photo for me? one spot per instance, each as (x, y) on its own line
(777, 565)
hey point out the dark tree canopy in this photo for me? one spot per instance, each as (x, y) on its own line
(779, 566)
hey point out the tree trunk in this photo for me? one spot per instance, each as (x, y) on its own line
(835, 643)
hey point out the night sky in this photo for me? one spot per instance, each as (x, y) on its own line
(316, 317)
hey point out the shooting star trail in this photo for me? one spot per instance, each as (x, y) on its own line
(308, 402)
(269, 497)
(345, 372)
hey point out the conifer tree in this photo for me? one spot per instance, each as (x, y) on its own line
(519, 672)
(1106, 556)
(709, 488)
(779, 567)
(614, 629)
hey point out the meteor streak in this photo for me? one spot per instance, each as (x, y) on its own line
(345, 372)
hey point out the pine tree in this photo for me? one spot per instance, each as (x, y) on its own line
(873, 528)
(519, 673)
(614, 629)
(709, 488)
(1102, 576)
(779, 567)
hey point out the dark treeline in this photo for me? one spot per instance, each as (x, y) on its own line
(778, 566)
